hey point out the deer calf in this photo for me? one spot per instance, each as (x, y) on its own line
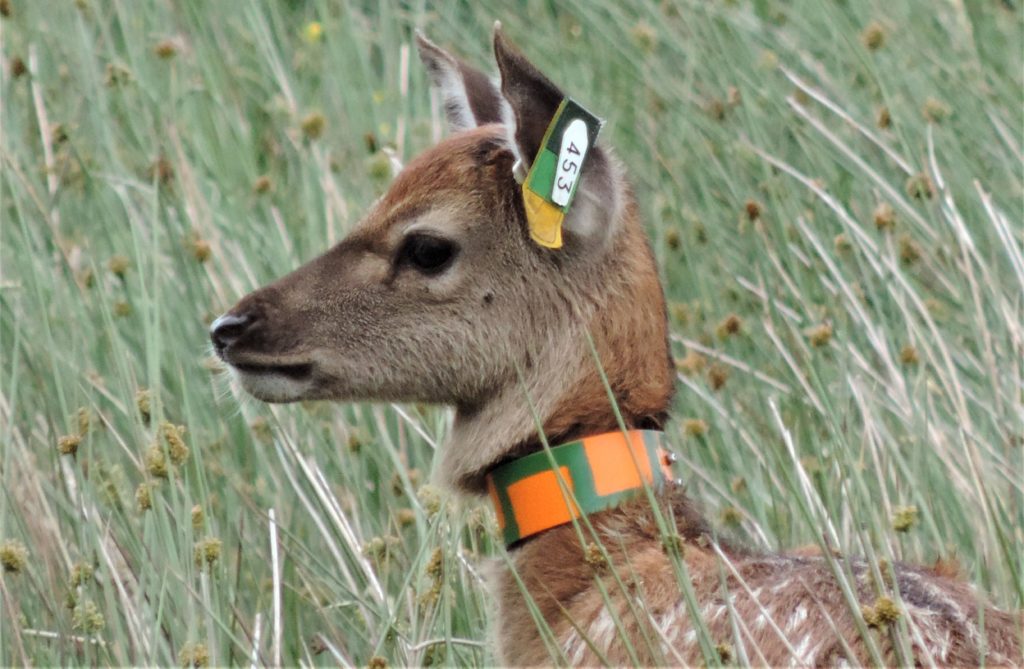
(499, 263)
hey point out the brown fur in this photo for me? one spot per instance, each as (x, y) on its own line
(509, 321)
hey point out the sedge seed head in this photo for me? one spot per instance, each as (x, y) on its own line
(198, 517)
(873, 36)
(194, 656)
(200, 249)
(695, 427)
(313, 125)
(731, 516)
(692, 363)
(13, 556)
(207, 552)
(156, 462)
(883, 118)
(430, 498)
(68, 444)
(753, 209)
(819, 335)
(176, 447)
(118, 265)
(909, 356)
(920, 187)
(886, 611)
(86, 617)
(884, 216)
(262, 185)
(143, 402)
(143, 497)
(910, 252)
(904, 518)
(935, 110)
(717, 376)
(18, 68)
(166, 49)
(673, 239)
(594, 557)
(81, 574)
(730, 325)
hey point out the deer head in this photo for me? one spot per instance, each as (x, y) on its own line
(439, 295)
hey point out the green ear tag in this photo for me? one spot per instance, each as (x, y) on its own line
(550, 185)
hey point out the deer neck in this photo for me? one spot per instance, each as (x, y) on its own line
(563, 389)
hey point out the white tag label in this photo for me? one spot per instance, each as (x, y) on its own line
(570, 158)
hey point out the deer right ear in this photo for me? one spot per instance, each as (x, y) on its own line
(470, 97)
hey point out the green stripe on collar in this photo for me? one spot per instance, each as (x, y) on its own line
(601, 472)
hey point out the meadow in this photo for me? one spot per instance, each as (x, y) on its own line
(834, 193)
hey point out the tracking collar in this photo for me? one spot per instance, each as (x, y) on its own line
(599, 472)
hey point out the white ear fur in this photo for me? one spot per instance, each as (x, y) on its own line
(597, 208)
(471, 98)
(446, 76)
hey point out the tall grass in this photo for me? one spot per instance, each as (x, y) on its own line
(834, 193)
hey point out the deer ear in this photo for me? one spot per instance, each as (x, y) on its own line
(532, 98)
(470, 97)
(532, 102)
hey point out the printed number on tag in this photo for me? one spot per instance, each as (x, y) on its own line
(570, 158)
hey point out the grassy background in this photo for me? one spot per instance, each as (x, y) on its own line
(834, 192)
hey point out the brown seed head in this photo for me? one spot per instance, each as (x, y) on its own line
(143, 497)
(694, 427)
(118, 265)
(644, 36)
(935, 111)
(143, 402)
(13, 556)
(920, 187)
(313, 125)
(692, 363)
(884, 215)
(883, 119)
(207, 552)
(908, 355)
(873, 36)
(68, 444)
(904, 518)
(717, 376)
(753, 209)
(730, 325)
(5, 8)
(910, 252)
(819, 335)
(263, 184)
(156, 462)
(166, 49)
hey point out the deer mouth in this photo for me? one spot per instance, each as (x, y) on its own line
(296, 372)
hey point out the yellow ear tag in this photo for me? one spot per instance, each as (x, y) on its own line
(550, 185)
(544, 218)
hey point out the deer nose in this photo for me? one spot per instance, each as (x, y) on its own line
(228, 328)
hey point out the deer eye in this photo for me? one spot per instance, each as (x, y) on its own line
(428, 254)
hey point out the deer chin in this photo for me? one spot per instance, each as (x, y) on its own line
(272, 381)
(278, 385)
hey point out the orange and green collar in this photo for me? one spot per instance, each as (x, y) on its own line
(600, 472)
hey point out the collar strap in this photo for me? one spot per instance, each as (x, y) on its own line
(599, 472)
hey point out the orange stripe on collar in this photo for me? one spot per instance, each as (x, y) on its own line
(599, 472)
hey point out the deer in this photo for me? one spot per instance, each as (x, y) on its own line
(539, 317)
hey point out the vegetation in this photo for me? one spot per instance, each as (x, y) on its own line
(834, 192)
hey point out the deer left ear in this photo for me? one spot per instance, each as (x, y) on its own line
(470, 97)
